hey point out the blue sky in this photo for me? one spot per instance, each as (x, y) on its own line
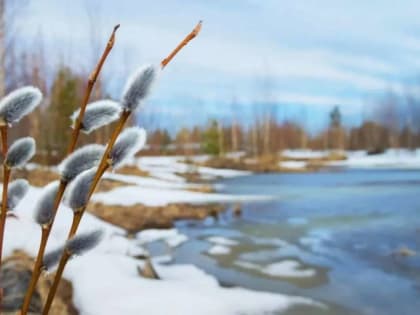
(304, 56)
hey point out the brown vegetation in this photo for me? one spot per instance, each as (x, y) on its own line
(18, 268)
(132, 170)
(138, 217)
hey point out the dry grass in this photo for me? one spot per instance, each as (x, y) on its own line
(36, 177)
(139, 217)
(132, 170)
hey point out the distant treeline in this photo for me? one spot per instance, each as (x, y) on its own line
(269, 136)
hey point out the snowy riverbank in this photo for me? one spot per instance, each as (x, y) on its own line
(110, 272)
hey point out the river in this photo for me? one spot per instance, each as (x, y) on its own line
(331, 236)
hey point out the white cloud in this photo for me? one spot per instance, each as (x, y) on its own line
(241, 41)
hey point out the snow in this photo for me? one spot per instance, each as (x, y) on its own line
(392, 158)
(131, 195)
(163, 259)
(219, 240)
(292, 164)
(160, 191)
(153, 235)
(177, 240)
(227, 173)
(106, 280)
(288, 268)
(218, 250)
(149, 182)
(221, 245)
(183, 290)
(165, 168)
(172, 237)
(304, 154)
(285, 268)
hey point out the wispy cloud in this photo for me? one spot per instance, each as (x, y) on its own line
(347, 50)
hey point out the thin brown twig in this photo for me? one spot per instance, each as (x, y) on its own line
(103, 166)
(75, 135)
(184, 42)
(4, 146)
(46, 230)
(91, 82)
(6, 179)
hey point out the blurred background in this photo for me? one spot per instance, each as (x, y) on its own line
(301, 119)
(266, 76)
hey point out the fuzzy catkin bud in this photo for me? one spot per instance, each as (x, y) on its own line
(78, 194)
(138, 87)
(44, 210)
(80, 160)
(17, 190)
(84, 242)
(20, 152)
(19, 103)
(51, 259)
(98, 114)
(130, 141)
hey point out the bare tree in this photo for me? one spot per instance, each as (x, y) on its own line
(234, 126)
(9, 11)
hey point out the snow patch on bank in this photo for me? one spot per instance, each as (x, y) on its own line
(183, 290)
(293, 165)
(219, 240)
(172, 237)
(167, 167)
(392, 158)
(221, 245)
(106, 280)
(218, 250)
(131, 195)
(305, 154)
(149, 182)
(284, 269)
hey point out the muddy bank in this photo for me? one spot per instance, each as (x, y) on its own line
(16, 272)
(140, 217)
(268, 163)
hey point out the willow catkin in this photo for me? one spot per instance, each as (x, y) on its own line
(129, 142)
(20, 152)
(84, 242)
(98, 114)
(44, 209)
(80, 160)
(138, 87)
(78, 194)
(19, 103)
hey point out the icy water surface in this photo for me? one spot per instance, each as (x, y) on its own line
(329, 236)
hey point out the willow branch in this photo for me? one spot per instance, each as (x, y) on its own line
(46, 230)
(75, 135)
(6, 178)
(103, 166)
(91, 82)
